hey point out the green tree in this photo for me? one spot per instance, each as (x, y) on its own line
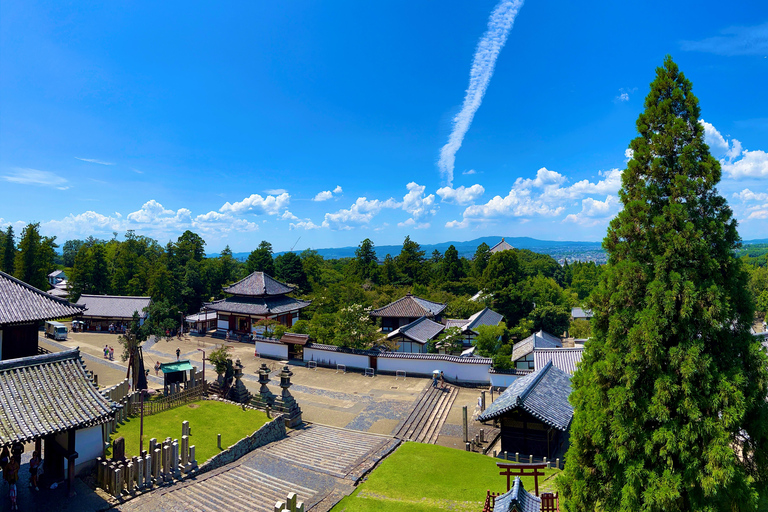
(669, 401)
(69, 251)
(389, 272)
(34, 259)
(503, 270)
(551, 318)
(480, 260)
(410, 262)
(260, 260)
(289, 269)
(9, 252)
(365, 261)
(452, 268)
(489, 339)
(451, 340)
(354, 328)
(580, 329)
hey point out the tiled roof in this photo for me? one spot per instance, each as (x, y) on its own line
(46, 394)
(543, 394)
(539, 339)
(258, 306)
(437, 357)
(114, 306)
(20, 302)
(510, 371)
(456, 322)
(57, 292)
(517, 499)
(410, 306)
(344, 350)
(581, 313)
(420, 330)
(501, 246)
(294, 338)
(56, 273)
(485, 317)
(258, 284)
(564, 358)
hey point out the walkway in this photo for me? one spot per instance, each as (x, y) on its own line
(321, 464)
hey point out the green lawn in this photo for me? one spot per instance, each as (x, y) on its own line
(424, 477)
(207, 418)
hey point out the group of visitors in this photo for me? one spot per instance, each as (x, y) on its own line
(109, 353)
(116, 328)
(10, 462)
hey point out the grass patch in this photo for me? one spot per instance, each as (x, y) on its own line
(207, 418)
(423, 477)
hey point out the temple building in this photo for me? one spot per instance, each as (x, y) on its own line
(534, 414)
(406, 310)
(115, 310)
(254, 298)
(22, 308)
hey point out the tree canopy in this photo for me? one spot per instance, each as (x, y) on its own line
(670, 399)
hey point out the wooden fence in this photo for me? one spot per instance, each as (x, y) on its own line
(190, 394)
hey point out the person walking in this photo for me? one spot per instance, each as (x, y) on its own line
(106, 352)
(11, 474)
(111, 354)
(178, 353)
(157, 367)
(34, 464)
(442, 380)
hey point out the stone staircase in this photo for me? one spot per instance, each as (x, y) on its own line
(428, 416)
(334, 451)
(240, 488)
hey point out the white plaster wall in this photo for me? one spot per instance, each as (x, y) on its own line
(222, 324)
(503, 380)
(334, 358)
(272, 349)
(88, 445)
(462, 372)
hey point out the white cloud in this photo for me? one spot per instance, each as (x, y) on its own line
(304, 224)
(275, 191)
(416, 203)
(36, 177)
(595, 212)
(412, 223)
(623, 97)
(338, 190)
(628, 154)
(518, 203)
(361, 212)
(747, 195)
(714, 139)
(469, 172)
(754, 164)
(94, 161)
(154, 217)
(323, 196)
(759, 214)
(483, 63)
(216, 223)
(458, 224)
(83, 224)
(287, 215)
(461, 195)
(258, 205)
(734, 41)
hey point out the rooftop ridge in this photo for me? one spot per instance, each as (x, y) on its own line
(37, 290)
(534, 382)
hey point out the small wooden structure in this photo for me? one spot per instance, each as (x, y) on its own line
(176, 373)
(295, 344)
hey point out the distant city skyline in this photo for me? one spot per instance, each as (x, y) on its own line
(321, 124)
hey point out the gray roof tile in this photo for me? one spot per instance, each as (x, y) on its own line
(46, 394)
(517, 499)
(410, 306)
(114, 306)
(567, 359)
(258, 306)
(539, 339)
(258, 284)
(420, 330)
(581, 313)
(543, 394)
(20, 302)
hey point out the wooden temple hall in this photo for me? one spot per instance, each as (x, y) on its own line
(254, 298)
(46, 399)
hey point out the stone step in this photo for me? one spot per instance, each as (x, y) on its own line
(428, 416)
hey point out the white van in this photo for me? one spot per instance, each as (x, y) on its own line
(56, 330)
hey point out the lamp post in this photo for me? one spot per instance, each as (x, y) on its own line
(181, 329)
(203, 351)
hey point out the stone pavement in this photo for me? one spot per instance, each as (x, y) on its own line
(321, 464)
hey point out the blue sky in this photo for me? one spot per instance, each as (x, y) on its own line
(337, 121)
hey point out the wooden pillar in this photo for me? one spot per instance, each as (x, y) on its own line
(71, 456)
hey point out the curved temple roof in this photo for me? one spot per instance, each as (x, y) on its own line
(20, 302)
(258, 284)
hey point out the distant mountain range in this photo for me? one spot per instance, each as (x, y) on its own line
(572, 251)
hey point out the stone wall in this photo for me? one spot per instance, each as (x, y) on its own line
(268, 433)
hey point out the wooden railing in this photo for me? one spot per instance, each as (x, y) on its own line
(191, 394)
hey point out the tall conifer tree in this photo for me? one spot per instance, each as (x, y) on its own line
(670, 399)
